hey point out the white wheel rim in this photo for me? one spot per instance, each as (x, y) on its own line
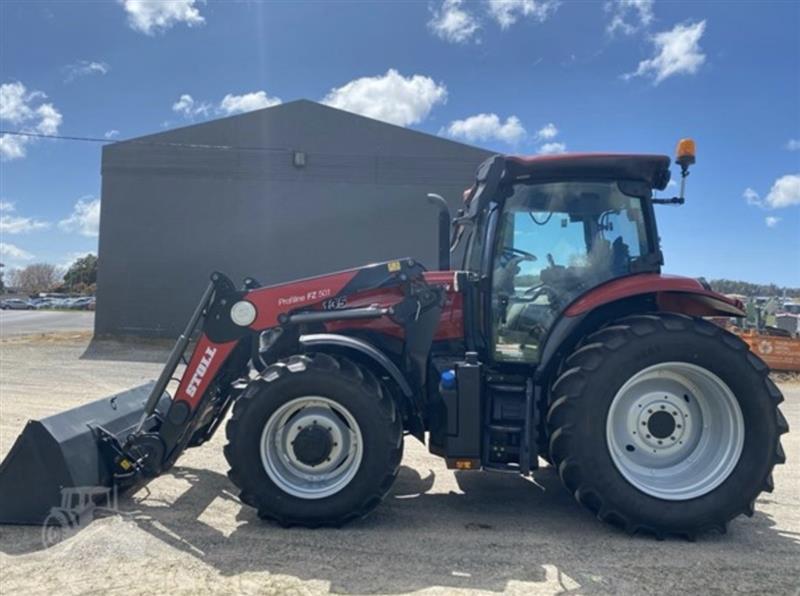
(287, 470)
(675, 431)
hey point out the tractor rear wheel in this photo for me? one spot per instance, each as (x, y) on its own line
(315, 441)
(665, 424)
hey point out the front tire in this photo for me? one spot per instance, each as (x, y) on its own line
(316, 441)
(666, 424)
(57, 527)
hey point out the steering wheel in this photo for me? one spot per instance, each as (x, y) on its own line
(539, 289)
(526, 256)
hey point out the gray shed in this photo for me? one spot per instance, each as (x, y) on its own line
(286, 192)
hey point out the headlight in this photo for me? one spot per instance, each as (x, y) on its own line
(243, 313)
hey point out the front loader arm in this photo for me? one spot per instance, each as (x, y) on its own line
(228, 321)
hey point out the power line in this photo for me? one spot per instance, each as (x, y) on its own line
(87, 139)
(37, 135)
(19, 133)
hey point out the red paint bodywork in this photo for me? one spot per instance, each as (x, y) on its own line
(311, 293)
(451, 324)
(532, 159)
(209, 368)
(673, 293)
(270, 302)
(274, 300)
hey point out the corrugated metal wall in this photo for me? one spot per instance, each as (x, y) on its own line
(175, 209)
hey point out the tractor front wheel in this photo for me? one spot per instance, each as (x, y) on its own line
(316, 441)
(665, 424)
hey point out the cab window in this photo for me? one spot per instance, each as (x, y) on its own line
(554, 242)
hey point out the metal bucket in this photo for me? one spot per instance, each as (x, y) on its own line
(62, 452)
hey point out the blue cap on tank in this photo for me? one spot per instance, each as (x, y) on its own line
(449, 379)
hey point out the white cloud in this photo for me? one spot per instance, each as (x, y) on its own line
(771, 221)
(49, 119)
(84, 219)
(453, 23)
(793, 145)
(15, 102)
(111, 134)
(487, 127)
(507, 12)
(552, 148)
(236, 104)
(391, 97)
(751, 196)
(83, 68)
(16, 224)
(629, 16)
(678, 51)
(25, 111)
(12, 224)
(189, 108)
(12, 251)
(12, 147)
(547, 132)
(785, 192)
(155, 16)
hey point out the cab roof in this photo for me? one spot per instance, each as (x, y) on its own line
(652, 169)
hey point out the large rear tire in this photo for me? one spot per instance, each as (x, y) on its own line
(315, 441)
(666, 424)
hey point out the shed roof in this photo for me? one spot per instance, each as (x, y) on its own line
(339, 146)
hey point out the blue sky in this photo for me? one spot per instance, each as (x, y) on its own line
(523, 76)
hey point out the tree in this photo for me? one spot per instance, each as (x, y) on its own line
(2, 283)
(36, 278)
(727, 286)
(82, 275)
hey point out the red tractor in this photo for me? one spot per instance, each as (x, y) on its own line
(556, 337)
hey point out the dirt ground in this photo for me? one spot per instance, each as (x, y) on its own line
(437, 532)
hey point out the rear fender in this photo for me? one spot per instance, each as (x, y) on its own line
(366, 353)
(635, 294)
(674, 294)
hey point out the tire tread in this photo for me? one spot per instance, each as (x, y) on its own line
(329, 364)
(567, 392)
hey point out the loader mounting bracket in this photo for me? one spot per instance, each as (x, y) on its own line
(218, 325)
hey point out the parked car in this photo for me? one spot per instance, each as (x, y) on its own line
(84, 303)
(60, 302)
(16, 304)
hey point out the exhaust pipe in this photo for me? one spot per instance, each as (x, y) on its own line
(444, 230)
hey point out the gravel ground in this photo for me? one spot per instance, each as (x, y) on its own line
(437, 532)
(29, 322)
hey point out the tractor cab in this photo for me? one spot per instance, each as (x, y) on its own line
(542, 232)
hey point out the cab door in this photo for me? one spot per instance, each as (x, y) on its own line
(524, 307)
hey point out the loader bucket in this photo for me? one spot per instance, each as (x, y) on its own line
(61, 452)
